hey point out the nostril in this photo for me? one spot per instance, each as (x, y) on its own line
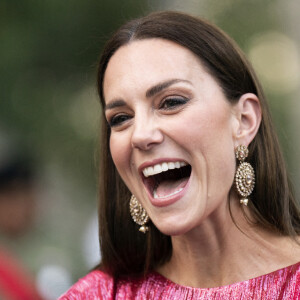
(142, 144)
(145, 138)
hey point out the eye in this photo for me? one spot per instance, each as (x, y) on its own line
(173, 102)
(118, 120)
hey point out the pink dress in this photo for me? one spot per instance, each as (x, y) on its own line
(281, 284)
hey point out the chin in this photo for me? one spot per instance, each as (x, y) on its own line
(171, 231)
(174, 227)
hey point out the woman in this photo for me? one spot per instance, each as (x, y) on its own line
(182, 110)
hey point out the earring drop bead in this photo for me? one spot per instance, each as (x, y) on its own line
(245, 175)
(244, 201)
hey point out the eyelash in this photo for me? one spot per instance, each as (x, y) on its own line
(118, 120)
(174, 101)
(168, 104)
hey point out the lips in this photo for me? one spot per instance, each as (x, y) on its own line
(166, 180)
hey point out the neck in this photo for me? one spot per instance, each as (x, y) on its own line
(221, 251)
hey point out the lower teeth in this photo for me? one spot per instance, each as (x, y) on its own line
(156, 196)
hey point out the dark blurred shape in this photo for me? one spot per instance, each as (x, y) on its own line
(17, 196)
(17, 202)
(18, 169)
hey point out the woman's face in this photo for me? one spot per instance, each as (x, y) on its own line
(172, 133)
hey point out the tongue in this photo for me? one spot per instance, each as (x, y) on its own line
(169, 187)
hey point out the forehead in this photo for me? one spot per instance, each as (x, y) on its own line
(142, 63)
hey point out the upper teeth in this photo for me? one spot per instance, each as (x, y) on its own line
(165, 166)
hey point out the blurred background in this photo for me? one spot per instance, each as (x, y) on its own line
(49, 116)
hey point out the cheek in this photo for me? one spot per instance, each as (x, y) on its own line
(205, 128)
(120, 152)
(207, 135)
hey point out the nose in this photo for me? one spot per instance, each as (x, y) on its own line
(146, 133)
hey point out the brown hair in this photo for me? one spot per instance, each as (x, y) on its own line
(125, 251)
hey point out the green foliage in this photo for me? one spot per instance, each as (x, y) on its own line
(48, 52)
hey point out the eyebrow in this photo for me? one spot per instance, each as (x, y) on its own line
(163, 85)
(149, 93)
(114, 104)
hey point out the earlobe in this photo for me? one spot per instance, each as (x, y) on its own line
(248, 112)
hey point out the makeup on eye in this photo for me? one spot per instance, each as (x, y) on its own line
(118, 120)
(169, 103)
(173, 102)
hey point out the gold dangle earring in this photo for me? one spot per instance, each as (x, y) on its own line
(244, 176)
(138, 214)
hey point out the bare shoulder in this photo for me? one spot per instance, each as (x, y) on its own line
(95, 285)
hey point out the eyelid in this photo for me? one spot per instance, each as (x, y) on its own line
(113, 112)
(181, 100)
(110, 120)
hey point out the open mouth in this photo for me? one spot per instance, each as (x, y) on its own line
(166, 179)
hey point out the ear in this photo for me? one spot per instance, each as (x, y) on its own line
(248, 114)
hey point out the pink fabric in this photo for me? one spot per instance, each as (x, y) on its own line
(281, 284)
(15, 282)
